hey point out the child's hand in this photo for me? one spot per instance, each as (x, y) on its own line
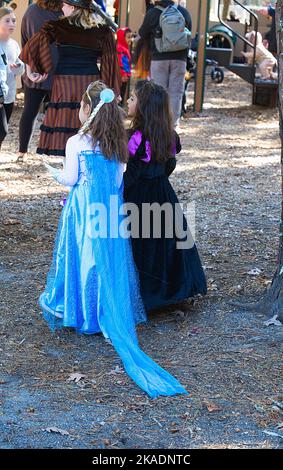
(14, 67)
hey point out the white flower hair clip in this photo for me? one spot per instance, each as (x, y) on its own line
(106, 96)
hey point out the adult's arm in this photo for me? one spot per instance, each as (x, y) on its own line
(187, 17)
(37, 53)
(150, 23)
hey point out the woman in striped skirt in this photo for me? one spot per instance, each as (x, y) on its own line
(81, 43)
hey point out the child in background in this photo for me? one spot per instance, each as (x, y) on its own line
(93, 285)
(15, 67)
(3, 92)
(168, 272)
(124, 40)
(264, 58)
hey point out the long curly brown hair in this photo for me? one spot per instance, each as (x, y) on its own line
(107, 128)
(153, 118)
(53, 5)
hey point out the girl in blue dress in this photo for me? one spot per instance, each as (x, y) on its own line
(92, 285)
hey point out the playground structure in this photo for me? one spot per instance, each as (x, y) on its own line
(226, 41)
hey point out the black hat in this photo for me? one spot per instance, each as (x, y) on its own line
(87, 4)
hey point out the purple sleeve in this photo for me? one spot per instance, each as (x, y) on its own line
(134, 143)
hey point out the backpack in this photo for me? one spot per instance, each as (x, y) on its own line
(172, 34)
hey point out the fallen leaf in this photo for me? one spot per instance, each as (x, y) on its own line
(195, 331)
(11, 222)
(278, 403)
(212, 407)
(57, 430)
(117, 370)
(75, 377)
(273, 321)
(275, 434)
(179, 314)
(254, 272)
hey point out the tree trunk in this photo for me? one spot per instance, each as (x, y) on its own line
(272, 301)
(274, 296)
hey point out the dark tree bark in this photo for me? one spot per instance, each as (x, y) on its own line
(272, 300)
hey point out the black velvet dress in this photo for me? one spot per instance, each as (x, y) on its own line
(168, 274)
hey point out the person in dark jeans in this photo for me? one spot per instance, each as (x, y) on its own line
(148, 5)
(167, 68)
(271, 34)
(35, 93)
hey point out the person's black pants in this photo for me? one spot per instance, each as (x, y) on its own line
(32, 101)
(5, 115)
(124, 92)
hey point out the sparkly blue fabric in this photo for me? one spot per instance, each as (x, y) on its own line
(93, 285)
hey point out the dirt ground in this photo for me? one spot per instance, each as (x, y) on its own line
(229, 360)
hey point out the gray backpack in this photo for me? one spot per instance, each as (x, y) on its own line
(172, 34)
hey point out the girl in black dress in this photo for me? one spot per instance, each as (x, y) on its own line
(165, 254)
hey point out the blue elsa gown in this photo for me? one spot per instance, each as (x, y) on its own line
(93, 284)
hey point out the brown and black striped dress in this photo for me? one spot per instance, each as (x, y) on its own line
(79, 50)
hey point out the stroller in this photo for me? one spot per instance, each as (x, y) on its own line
(216, 73)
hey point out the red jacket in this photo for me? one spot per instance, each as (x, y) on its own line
(123, 52)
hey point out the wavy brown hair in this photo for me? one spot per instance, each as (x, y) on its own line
(53, 5)
(107, 128)
(153, 118)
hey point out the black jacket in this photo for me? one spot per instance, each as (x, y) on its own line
(151, 23)
(271, 34)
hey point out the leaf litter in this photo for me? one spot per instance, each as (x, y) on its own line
(230, 154)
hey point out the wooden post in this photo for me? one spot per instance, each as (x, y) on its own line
(131, 14)
(203, 16)
(192, 6)
(124, 13)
